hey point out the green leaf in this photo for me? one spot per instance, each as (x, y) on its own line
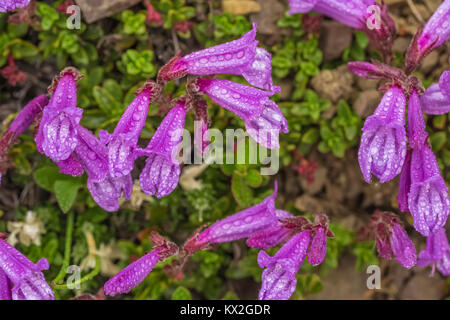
(23, 49)
(66, 192)
(253, 178)
(45, 177)
(181, 293)
(438, 140)
(361, 39)
(241, 192)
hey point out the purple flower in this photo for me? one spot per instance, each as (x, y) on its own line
(259, 73)
(133, 274)
(107, 192)
(402, 247)
(428, 200)
(92, 156)
(244, 224)
(437, 29)
(437, 253)
(404, 184)
(278, 279)
(273, 235)
(351, 12)
(436, 99)
(416, 122)
(123, 142)
(318, 247)
(392, 239)
(162, 169)
(8, 5)
(263, 119)
(23, 120)
(57, 135)
(383, 142)
(23, 276)
(136, 272)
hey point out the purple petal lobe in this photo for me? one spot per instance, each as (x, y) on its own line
(259, 73)
(436, 99)
(108, 191)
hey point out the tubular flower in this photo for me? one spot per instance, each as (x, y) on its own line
(383, 142)
(436, 30)
(273, 235)
(23, 120)
(392, 239)
(133, 274)
(57, 135)
(278, 279)
(352, 12)
(136, 272)
(263, 119)
(244, 224)
(403, 248)
(23, 277)
(436, 99)
(8, 5)
(92, 156)
(162, 168)
(123, 141)
(428, 200)
(437, 253)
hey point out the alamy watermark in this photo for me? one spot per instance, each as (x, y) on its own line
(235, 147)
(374, 20)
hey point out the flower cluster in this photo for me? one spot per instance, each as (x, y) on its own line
(109, 159)
(21, 279)
(391, 239)
(364, 15)
(264, 227)
(387, 150)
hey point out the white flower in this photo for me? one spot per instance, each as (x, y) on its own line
(26, 232)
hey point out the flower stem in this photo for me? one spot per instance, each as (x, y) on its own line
(68, 243)
(87, 277)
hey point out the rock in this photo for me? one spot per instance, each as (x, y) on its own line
(286, 89)
(334, 84)
(320, 177)
(335, 37)
(367, 84)
(421, 286)
(267, 18)
(94, 10)
(366, 103)
(308, 203)
(238, 7)
(401, 44)
(429, 62)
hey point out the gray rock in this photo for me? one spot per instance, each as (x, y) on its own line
(334, 39)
